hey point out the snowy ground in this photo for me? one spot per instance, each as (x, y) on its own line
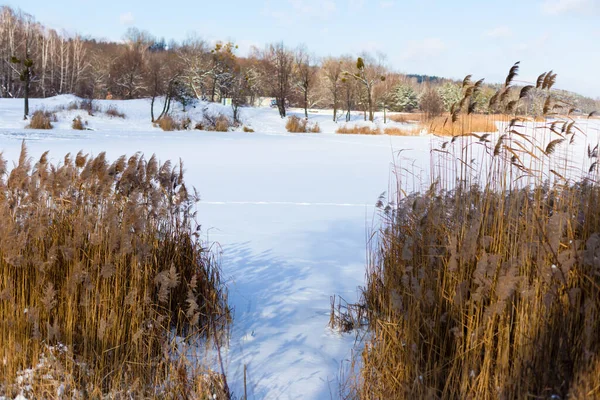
(291, 212)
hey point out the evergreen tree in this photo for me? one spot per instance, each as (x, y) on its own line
(405, 99)
(450, 93)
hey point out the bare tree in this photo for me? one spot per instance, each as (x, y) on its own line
(332, 71)
(306, 71)
(279, 64)
(198, 68)
(368, 73)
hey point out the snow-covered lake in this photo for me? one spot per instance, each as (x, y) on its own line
(291, 213)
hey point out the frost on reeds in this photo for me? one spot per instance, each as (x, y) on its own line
(100, 265)
(487, 285)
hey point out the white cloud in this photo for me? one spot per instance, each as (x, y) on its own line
(557, 7)
(126, 18)
(499, 32)
(387, 4)
(424, 49)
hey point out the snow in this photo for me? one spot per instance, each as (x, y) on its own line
(291, 212)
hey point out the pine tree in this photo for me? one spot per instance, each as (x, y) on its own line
(405, 99)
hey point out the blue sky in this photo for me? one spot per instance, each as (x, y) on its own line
(445, 38)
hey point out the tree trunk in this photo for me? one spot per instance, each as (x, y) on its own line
(152, 107)
(370, 101)
(26, 105)
(281, 107)
(334, 106)
(306, 104)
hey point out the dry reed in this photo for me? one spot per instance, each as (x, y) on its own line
(78, 124)
(100, 265)
(295, 124)
(358, 130)
(42, 120)
(486, 288)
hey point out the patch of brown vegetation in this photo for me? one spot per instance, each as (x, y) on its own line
(113, 111)
(42, 120)
(99, 266)
(465, 124)
(358, 130)
(295, 124)
(395, 131)
(78, 124)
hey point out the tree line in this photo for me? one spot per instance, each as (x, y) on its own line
(36, 61)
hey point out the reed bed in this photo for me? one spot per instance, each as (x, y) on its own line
(486, 288)
(101, 266)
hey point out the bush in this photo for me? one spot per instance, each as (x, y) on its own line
(358, 130)
(113, 111)
(248, 129)
(90, 106)
(78, 124)
(100, 266)
(431, 103)
(297, 125)
(41, 120)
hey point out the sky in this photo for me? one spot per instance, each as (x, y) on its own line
(435, 37)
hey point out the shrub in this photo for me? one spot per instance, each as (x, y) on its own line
(91, 107)
(113, 112)
(298, 125)
(431, 103)
(248, 129)
(78, 124)
(99, 267)
(358, 130)
(41, 120)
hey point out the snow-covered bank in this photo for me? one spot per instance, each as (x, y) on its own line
(137, 115)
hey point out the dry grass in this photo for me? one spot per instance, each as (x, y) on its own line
(42, 120)
(406, 118)
(395, 131)
(248, 129)
(301, 125)
(465, 124)
(489, 287)
(100, 264)
(78, 124)
(167, 123)
(222, 124)
(113, 112)
(358, 130)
